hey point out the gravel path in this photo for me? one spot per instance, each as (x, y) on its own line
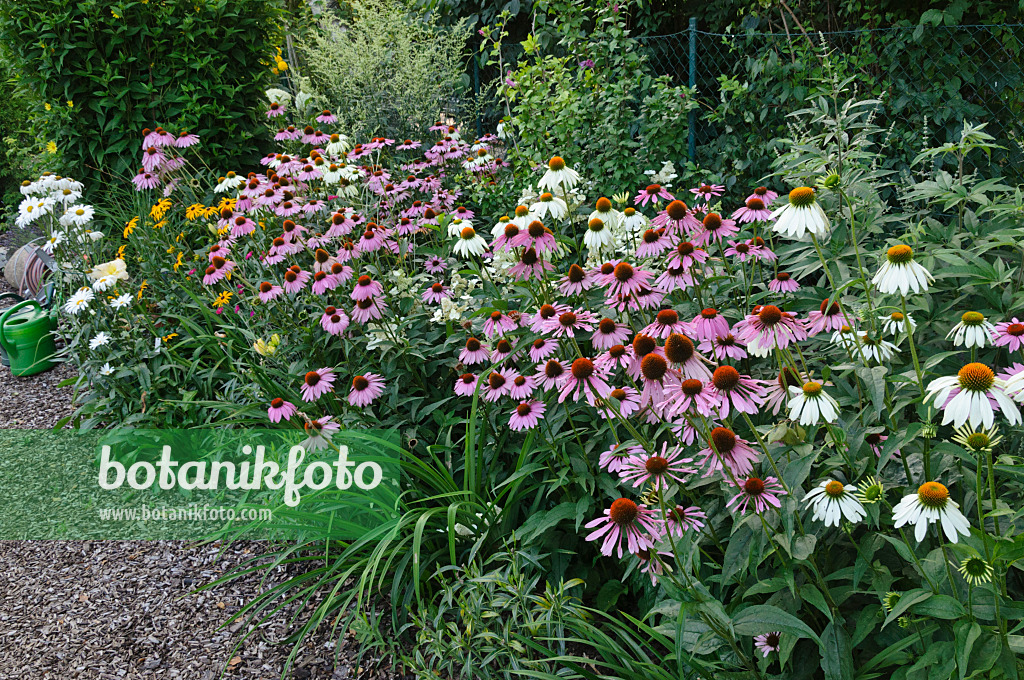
(121, 610)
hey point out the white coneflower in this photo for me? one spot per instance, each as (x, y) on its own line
(896, 323)
(931, 504)
(549, 204)
(99, 340)
(832, 501)
(79, 301)
(801, 215)
(974, 330)
(558, 174)
(469, 244)
(901, 273)
(876, 349)
(845, 338)
(606, 213)
(228, 183)
(598, 235)
(976, 570)
(969, 396)
(977, 440)
(810, 404)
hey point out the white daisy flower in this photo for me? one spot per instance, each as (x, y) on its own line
(121, 301)
(558, 174)
(88, 235)
(969, 396)
(50, 244)
(901, 273)
(974, 330)
(101, 339)
(896, 323)
(106, 369)
(810, 404)
(66, 196)
(800, 216)
(832, 501)
(30, 210)
(470, 243)
(79, 301)
(104, 283)
(77, 215)
(931, 504)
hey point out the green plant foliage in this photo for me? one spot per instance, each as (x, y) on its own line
(102, 70)
(387, 69)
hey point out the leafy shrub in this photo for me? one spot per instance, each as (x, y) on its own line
(108, 68)
(387, 69)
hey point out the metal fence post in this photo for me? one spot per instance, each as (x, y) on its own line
(692, 141)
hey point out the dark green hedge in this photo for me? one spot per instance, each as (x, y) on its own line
(129, 64)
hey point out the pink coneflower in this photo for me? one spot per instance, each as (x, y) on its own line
(368, 310)
(724, 347)
(679, 350)
(1009, 334)
(658, 468)
(777, 391)
(287, 134)
(318, 433)
(474, 353)
(342, 273)
(242, 226)
(530, 266)
(708, 191)
(269, 291)
(651, 194)
(653, 243)
(366, 288)
(434, 265)
(609, 333)
(408, 145)
(760, 251)
(783, 283)
(372, 239)
(541, 349)
(769, 328)
(499, 323)
(716, 229)
(677, 219)
(217, 271)
(875, 441)
(323, 282)
(539, 321)
(641, 346)
(766, 195)
(617, 356)
(826, 318)
(575, 281)
(365, 389)
(709, 324)
(625, 519)
(665, 324)
(280, 409)
(499, 384)
(553, 374)
(741, 250)
(152, 159)
(570, 322)
(766, 643)
(583, 379)
(629, 402)
(686, 256)
(501, 351)
(690, 396)
(526, 415)
(656, 373)
(334, 321)
(613, 459)
(465, 385)
(759, 493)
(735, 392)
(185, 139)
(506, 238)
(145, 180)
(627, 280)
(435, 293)
(522, 387)
(317, 383)
(295, 279)
(291, 232)
(536, 237)
(275, 110)
(674, 278)
(326, 117)
(756, 210)
(679, 520)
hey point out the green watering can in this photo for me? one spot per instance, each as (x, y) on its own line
(26, 336)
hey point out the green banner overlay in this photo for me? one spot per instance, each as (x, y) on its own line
(196, 484)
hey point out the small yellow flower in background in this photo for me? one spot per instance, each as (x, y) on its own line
(47, 106)
(160, 225)
(223, 230)
(130, 227)
(195, 211)
(222, 299)
(160, 209)
(142, 288)
(266, 349)
(51, 147)
(120, 252)
(71, 104)
(170, 250)
(169, 337)
(181, 235)
(178, 261)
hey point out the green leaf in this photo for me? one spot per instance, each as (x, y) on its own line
(836, 653)
(766, 618)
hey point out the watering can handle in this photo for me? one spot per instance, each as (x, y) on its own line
(9, 348)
